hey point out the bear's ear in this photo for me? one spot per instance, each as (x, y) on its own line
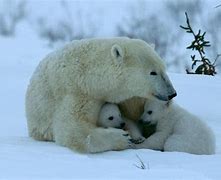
(152, 45)
(117, 53)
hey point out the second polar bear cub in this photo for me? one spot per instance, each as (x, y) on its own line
(110, 117)
(177, 129)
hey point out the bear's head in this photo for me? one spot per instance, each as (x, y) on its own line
(142, 72)
(122, 68)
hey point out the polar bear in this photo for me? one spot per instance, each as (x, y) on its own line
(177, 129)
(110, 117)
(69, 86)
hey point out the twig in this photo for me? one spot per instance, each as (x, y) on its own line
(217, 57)
(141, 165)
(198, 44)
(217, 6)
(196, 37)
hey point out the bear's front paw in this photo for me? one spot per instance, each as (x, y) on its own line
(121, 139)
(130, 140)
(138, 140)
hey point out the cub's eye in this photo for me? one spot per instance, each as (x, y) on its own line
(149, 112)
(111, 118)
(153, 73)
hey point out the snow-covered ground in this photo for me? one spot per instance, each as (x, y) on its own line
(24, 158)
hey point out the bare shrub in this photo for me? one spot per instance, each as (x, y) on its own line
(146, 27)
(11, 14)
(72, 25)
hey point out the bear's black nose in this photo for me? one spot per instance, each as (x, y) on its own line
(172, 96)
(122, 125)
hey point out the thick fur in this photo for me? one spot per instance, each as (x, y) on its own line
(70, 85)
(132, 108)
(110, 117)
(177, 129)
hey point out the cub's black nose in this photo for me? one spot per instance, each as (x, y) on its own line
(172, 96)
(122, 125)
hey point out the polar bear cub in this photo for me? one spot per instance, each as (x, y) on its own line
(177, 129)
(110, 117)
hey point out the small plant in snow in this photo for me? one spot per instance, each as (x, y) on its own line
(141, 164)
(199, 44)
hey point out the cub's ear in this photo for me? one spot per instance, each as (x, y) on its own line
(118, 53)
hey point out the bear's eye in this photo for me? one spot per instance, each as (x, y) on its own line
(153, 73)
(111, 118)
(149, 112)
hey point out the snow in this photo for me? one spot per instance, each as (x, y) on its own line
(24, 158)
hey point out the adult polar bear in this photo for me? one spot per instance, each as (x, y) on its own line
(70, 85)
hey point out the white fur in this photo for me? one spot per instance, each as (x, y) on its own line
(110, 116)
(70, 85)
(110, 110)
(177, 129)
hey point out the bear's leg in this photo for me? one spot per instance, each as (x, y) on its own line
(188, 144)
(75, 127)
(101, 139)
(180, 144)
(39, 105)
(134, 131)
(155, 141)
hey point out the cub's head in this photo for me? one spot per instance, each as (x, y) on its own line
(154, 110)
(110, 116)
